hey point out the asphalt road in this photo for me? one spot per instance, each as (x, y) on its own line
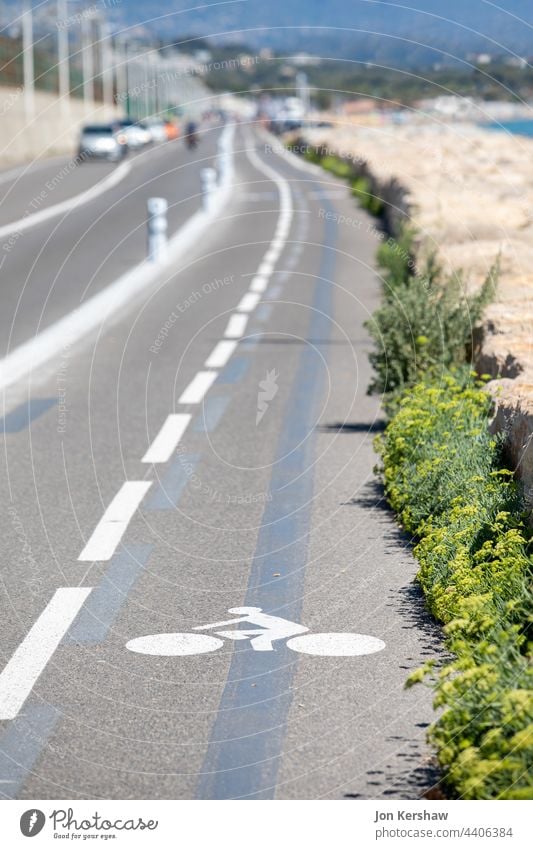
(49, 269)
(267, 501)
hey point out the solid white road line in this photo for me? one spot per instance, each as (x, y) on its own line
(67, 205)
(248, 302)
(221, 353)
(167, 439)
(195, 391)
(36, 649)
(236, 326)
(110, 529)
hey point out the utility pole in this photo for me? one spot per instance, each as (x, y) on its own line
(63, 56)
(303, 91)
(106, 63)
(87, 60)
(27, 60)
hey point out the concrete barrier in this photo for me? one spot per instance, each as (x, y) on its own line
(53, 130)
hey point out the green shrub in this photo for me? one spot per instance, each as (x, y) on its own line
(441, 474)
(362, 190)
(424, 322)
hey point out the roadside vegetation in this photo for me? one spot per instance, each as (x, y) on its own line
(444, 476)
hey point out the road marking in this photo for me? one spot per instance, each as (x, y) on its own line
(235, 371)
(91, 315)
(236, 326)
(273, 254)
(110, 529)
(221, 353)
(36, 649)
(214, 409)
(266, 268)
(169, 645)
(167, 439)
(21, 745)
(243, 734)
(67, 205)
(176, 478)
(195, 391)
(103, 605)
(259, 283)
(336, 645)
(249, 302)
(22, 416)
(267, 630)
(264, 312)
(275, 292)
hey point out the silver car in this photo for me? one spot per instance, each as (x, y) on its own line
(102, 141)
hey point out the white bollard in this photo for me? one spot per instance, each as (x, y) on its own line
(157, 229)
(208, 177)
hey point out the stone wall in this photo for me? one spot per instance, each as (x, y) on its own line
(469, 192)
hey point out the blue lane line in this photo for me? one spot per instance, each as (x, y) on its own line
(21, 745)
(246, 742)
(214, 408)
(249, 343)
(176, 478)
(263, 312)
(104, 603)
(21, 417)
(234, 371)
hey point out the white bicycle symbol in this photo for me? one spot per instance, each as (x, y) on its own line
(269, 629)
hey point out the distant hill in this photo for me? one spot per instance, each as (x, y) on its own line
(399, 32)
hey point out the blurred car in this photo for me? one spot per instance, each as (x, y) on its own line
(136, 132)
(171, 130)
(102, 141)
(157, 129)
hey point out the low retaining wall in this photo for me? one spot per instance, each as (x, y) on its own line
(468, 193)
(54, 129)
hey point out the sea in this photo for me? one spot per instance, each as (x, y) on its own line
(518, 127)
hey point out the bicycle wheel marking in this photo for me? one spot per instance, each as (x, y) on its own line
(171, 645)
(336, 645)
(269, 633)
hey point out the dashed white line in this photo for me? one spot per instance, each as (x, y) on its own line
(266, 268)
(110, 529)
(236, 326)
(167, 439)
(248, 302)
(221, 353)
(30, 658)
(197, 388)
(259, 283)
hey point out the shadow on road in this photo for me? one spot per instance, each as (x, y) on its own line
(422, 775)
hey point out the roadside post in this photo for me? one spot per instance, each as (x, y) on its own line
(157, 229)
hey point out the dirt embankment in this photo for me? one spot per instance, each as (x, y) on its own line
(470, 193)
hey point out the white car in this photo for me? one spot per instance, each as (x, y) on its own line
(157, 130)
(137, 134)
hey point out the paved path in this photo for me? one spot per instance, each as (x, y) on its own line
(212, 450)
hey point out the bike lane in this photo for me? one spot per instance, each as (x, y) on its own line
(247, 738)
(329, 556)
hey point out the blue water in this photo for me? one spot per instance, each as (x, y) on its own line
(518, 128)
